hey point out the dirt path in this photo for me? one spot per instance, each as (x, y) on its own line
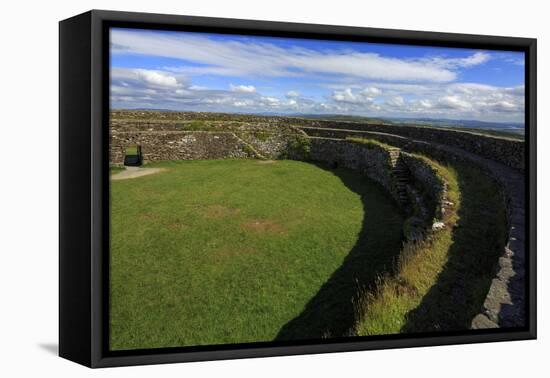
(133, 172)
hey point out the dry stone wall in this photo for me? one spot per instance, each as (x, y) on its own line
(271, 145)
(369, 159)
(506, 151)
(426, 187)
(505, 302)
(166, 140)
(178, 145)
(427, 179)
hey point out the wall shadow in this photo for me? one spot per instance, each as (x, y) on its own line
(477, 242)
(331, 312)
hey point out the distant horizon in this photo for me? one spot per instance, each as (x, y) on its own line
(275, 114)
(207, 72)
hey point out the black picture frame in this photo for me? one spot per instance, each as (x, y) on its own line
(84, 187)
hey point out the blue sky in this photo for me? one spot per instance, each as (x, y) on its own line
(249, 74)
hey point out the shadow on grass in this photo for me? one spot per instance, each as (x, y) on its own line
(331, 313)
(478, 241)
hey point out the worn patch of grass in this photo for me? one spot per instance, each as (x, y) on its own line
(115, 169)
(232, 251)
(441, 283)
(196, 125)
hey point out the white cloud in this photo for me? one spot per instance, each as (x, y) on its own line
(426, 104)
(126, 77)
(438, 100)
(237, 58)
(396, 101)
(474, 60)
(477, 58)
(242, 88)
(270, 102)
(371, 91)
(368, 89)
(197, 87)
(516, 58)
(351, 97)
(454, 102)
(243, 103)
(134, 89)
(157, 78)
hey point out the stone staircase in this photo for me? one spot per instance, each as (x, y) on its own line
(400, 173)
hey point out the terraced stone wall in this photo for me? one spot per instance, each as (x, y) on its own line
(431, 184)
(425, 187)
(507, 151)
(504, 306)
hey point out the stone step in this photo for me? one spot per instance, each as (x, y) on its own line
(401, 175)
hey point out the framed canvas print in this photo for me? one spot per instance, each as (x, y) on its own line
(233, 188)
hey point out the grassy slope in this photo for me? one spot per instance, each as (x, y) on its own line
(230, 251)
(440, 285)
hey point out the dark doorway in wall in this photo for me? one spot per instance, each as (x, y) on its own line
(132, 156)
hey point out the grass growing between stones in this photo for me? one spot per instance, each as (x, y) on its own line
(232, 251)
(370, 142)
(440, 284)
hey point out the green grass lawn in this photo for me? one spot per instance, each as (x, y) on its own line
(232, 251)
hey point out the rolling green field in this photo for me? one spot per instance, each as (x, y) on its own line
(233, 251)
